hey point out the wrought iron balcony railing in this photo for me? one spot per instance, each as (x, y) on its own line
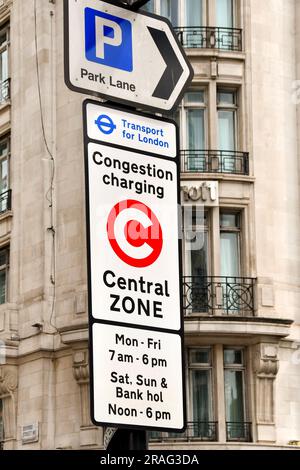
(5, 201)
(196, 430)
(215, 161)
(223, 295)
(4, 90)
(207, 37)
(238, 432)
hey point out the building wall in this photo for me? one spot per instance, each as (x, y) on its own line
(44, 381)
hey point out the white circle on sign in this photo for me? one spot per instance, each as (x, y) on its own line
(134, 233)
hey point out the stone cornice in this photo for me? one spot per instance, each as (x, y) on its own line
(228, 326)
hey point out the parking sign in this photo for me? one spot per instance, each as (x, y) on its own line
(121, 55)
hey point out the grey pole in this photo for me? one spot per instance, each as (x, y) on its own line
(134, 4)
(129, 439)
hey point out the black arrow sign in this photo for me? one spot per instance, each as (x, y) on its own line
(174, 69)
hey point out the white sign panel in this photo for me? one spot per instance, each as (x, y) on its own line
(133, 58)
(131, 130)
(132, 192)
(133, 281)
(133, 221)
(137, 378)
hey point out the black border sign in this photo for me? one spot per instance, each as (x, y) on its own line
(172, 73)
(134, 327)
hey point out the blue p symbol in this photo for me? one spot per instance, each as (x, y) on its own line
(105, 124)
(108, 40)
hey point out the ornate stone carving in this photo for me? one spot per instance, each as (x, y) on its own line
(81, 374)
(266, 362)
(265, 367)
(8, 381)
(81, 367)
(8, 387)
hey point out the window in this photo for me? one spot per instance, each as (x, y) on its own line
(4, 175)
(201, 393)
(179, 12)
(227, 130)
(169, 9)
(149, 6)
(195, 120)
(225, 13)
(192, 117)
(197, 259)
(204, 376)
(196, 243)
(227, 111)
(4, 82)
(215, 285)
(234, 383)
(192, 13)
(4, 266)
(230, 244)
(211, 150)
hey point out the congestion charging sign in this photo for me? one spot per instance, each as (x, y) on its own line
(135, 305)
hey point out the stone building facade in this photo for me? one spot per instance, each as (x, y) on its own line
(240, 123)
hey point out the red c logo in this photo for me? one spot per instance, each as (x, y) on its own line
(134, 233)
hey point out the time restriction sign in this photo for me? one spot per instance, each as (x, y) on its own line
(132, 194)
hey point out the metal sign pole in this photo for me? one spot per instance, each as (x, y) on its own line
(128, 439)
(133, 4)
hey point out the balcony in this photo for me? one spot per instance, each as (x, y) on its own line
(215, 161)
(4, 91)
(239, 432)
(5, 201)
(195, 430)
(232, 296)
(206, 37)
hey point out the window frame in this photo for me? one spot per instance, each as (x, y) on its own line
(181, 10)
(201, 366)
(6, 138)
(234, 14)
(229, 108)
(239, 230)
(209, 15)
(183, 109)
(206, 228)
(237, 367)
(5, 47)
(5, 268)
